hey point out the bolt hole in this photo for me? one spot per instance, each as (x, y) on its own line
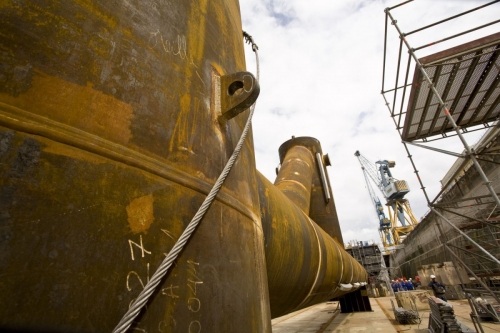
(235, 87)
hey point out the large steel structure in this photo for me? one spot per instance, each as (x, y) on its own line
(401, 221)
(453, 91)
(384, 223)
(116, 120)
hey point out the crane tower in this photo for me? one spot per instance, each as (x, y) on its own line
(401, 219)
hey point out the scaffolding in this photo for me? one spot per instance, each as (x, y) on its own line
(470, 255)
(453, 92)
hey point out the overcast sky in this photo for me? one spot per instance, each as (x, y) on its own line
(321, 76)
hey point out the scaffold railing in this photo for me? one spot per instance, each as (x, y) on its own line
(452, 92)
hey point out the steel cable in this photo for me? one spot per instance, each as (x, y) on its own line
(162, 270)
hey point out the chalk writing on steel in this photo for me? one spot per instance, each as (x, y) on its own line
(140, 246)
(169, 291)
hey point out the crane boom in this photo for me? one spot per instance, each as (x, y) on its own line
(379, 209)
(369, 168)
(393, 190)
(384, 222)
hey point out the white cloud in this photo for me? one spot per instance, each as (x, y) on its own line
(321, 76)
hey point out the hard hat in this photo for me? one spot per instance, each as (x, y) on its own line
(433, 276)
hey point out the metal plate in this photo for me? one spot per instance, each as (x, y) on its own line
(467, 78)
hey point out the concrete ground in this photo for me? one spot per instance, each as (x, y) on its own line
(326, 317)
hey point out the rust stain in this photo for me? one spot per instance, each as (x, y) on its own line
(218, 69)
(182, 131)
(79, 106)
(140, 213)
(195, 50)
(196, 33)
(90, 6)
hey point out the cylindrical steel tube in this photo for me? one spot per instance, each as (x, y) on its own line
(294, 178)
(322, 211)
(304, 264)
(109, 142)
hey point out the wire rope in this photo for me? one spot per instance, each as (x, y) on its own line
(162, 270)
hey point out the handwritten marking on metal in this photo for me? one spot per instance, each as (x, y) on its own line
(150, 287)
(140, 246)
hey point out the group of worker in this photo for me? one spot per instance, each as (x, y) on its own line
(402, 284)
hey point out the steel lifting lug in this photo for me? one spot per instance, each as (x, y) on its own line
(326, 160)
(238, 91)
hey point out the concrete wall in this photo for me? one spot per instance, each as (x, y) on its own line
(423, 245)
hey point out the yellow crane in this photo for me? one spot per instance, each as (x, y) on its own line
(401, 220)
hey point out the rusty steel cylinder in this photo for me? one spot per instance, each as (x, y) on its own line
(295, 176)
(322, 209)
(110, 140)
(304, 264)
(116, 118)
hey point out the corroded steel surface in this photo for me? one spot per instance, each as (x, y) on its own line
(294, 178)
(322, 212)
(110, 139)
(304, 264)
(109, 142)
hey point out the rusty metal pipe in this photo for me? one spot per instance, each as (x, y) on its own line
(110, 138)
(304, 264)
(294, 178)
(322, 206)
